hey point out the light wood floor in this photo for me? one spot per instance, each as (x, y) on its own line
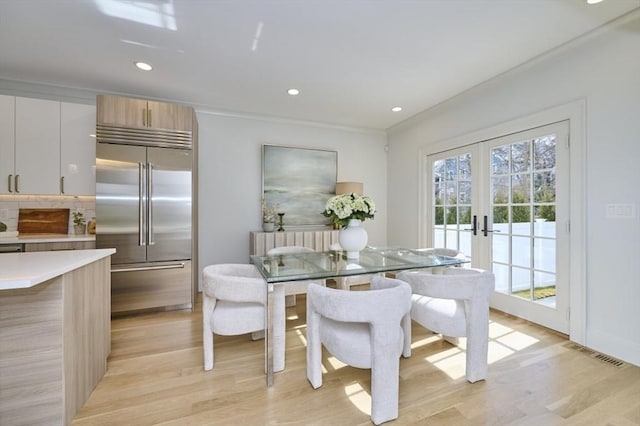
(536, 377)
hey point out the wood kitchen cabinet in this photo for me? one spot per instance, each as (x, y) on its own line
(60, 245)
(46, 147)
(130, 112)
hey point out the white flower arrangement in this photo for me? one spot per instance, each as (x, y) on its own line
(344, 207)
(269, 212)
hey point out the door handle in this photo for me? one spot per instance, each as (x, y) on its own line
(150, 168)
(9, 186)
(475, 225)
(144, 117)
(141, 204)
(486, 230)
(62, 184)
(15, 183)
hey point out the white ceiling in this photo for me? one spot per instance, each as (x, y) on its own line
(351, 59)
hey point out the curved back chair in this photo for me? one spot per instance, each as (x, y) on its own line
(365, 329)
(455, 303)
(291, 288)
(234, 300)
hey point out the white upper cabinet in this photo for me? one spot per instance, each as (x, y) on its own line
(37, 157)
(7, 143)
(46, 147)
(77, 149)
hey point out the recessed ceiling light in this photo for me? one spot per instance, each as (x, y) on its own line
(293, 92)
(396, 109)
(593, 1)
(144, 66)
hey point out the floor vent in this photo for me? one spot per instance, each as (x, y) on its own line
(609, 360)
(604, 358)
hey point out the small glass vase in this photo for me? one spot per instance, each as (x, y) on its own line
(353, 239)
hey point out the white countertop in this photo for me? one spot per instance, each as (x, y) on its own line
(47, 238)
(25, 270)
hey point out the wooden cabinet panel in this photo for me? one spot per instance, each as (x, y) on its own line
(54, 342)
(261, 242)
(72, 245)
(121, 111)
(37, 146)
(129, 112)
(170, 116)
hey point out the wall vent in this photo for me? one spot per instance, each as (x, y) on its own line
(601, 357)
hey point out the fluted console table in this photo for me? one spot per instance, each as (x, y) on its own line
(317, 239)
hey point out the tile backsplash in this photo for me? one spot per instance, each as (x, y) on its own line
(11, 204)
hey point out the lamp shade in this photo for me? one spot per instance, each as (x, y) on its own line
(349, 187)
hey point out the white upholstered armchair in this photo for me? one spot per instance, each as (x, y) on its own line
(234, 299)
(365, 329)
(455, 303)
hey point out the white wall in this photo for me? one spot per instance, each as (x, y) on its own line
(603, 70)
(230, 174)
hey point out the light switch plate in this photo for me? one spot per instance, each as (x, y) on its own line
(621, 211)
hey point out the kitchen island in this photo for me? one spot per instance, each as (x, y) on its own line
(55, 324)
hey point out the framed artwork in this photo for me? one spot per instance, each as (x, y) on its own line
(299, 181)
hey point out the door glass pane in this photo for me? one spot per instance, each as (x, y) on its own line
(544, 155)
(452, 200)
(501, 273)
(544, 254)
(545, 218)
(500, 248)
(500, 160)
(544, 287)
(520, 157)
(521, 256)
(523, 186)
(521, 282)
(438, 238)
(500, 189)
(464, 215)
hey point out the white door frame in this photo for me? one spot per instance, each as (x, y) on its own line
(575, 113)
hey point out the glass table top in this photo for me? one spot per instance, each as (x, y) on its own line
(330, 264)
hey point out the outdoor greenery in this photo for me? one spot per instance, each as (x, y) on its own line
(538, 292)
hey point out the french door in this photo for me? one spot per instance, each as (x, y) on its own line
(504, 203)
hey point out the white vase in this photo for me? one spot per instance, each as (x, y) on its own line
(353, 238)
(268, 226)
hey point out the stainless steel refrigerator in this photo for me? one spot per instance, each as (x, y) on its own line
(144, 209)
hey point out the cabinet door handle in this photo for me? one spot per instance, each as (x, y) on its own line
(144, 117)
(16, 183)
(149, 117)
(62, 184)
(9, 188)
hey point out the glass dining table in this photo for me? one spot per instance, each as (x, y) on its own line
(281, 268)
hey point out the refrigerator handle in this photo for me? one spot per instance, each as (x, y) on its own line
(141, 203)
(150, 204)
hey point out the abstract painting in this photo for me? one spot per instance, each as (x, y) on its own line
(299, 181)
